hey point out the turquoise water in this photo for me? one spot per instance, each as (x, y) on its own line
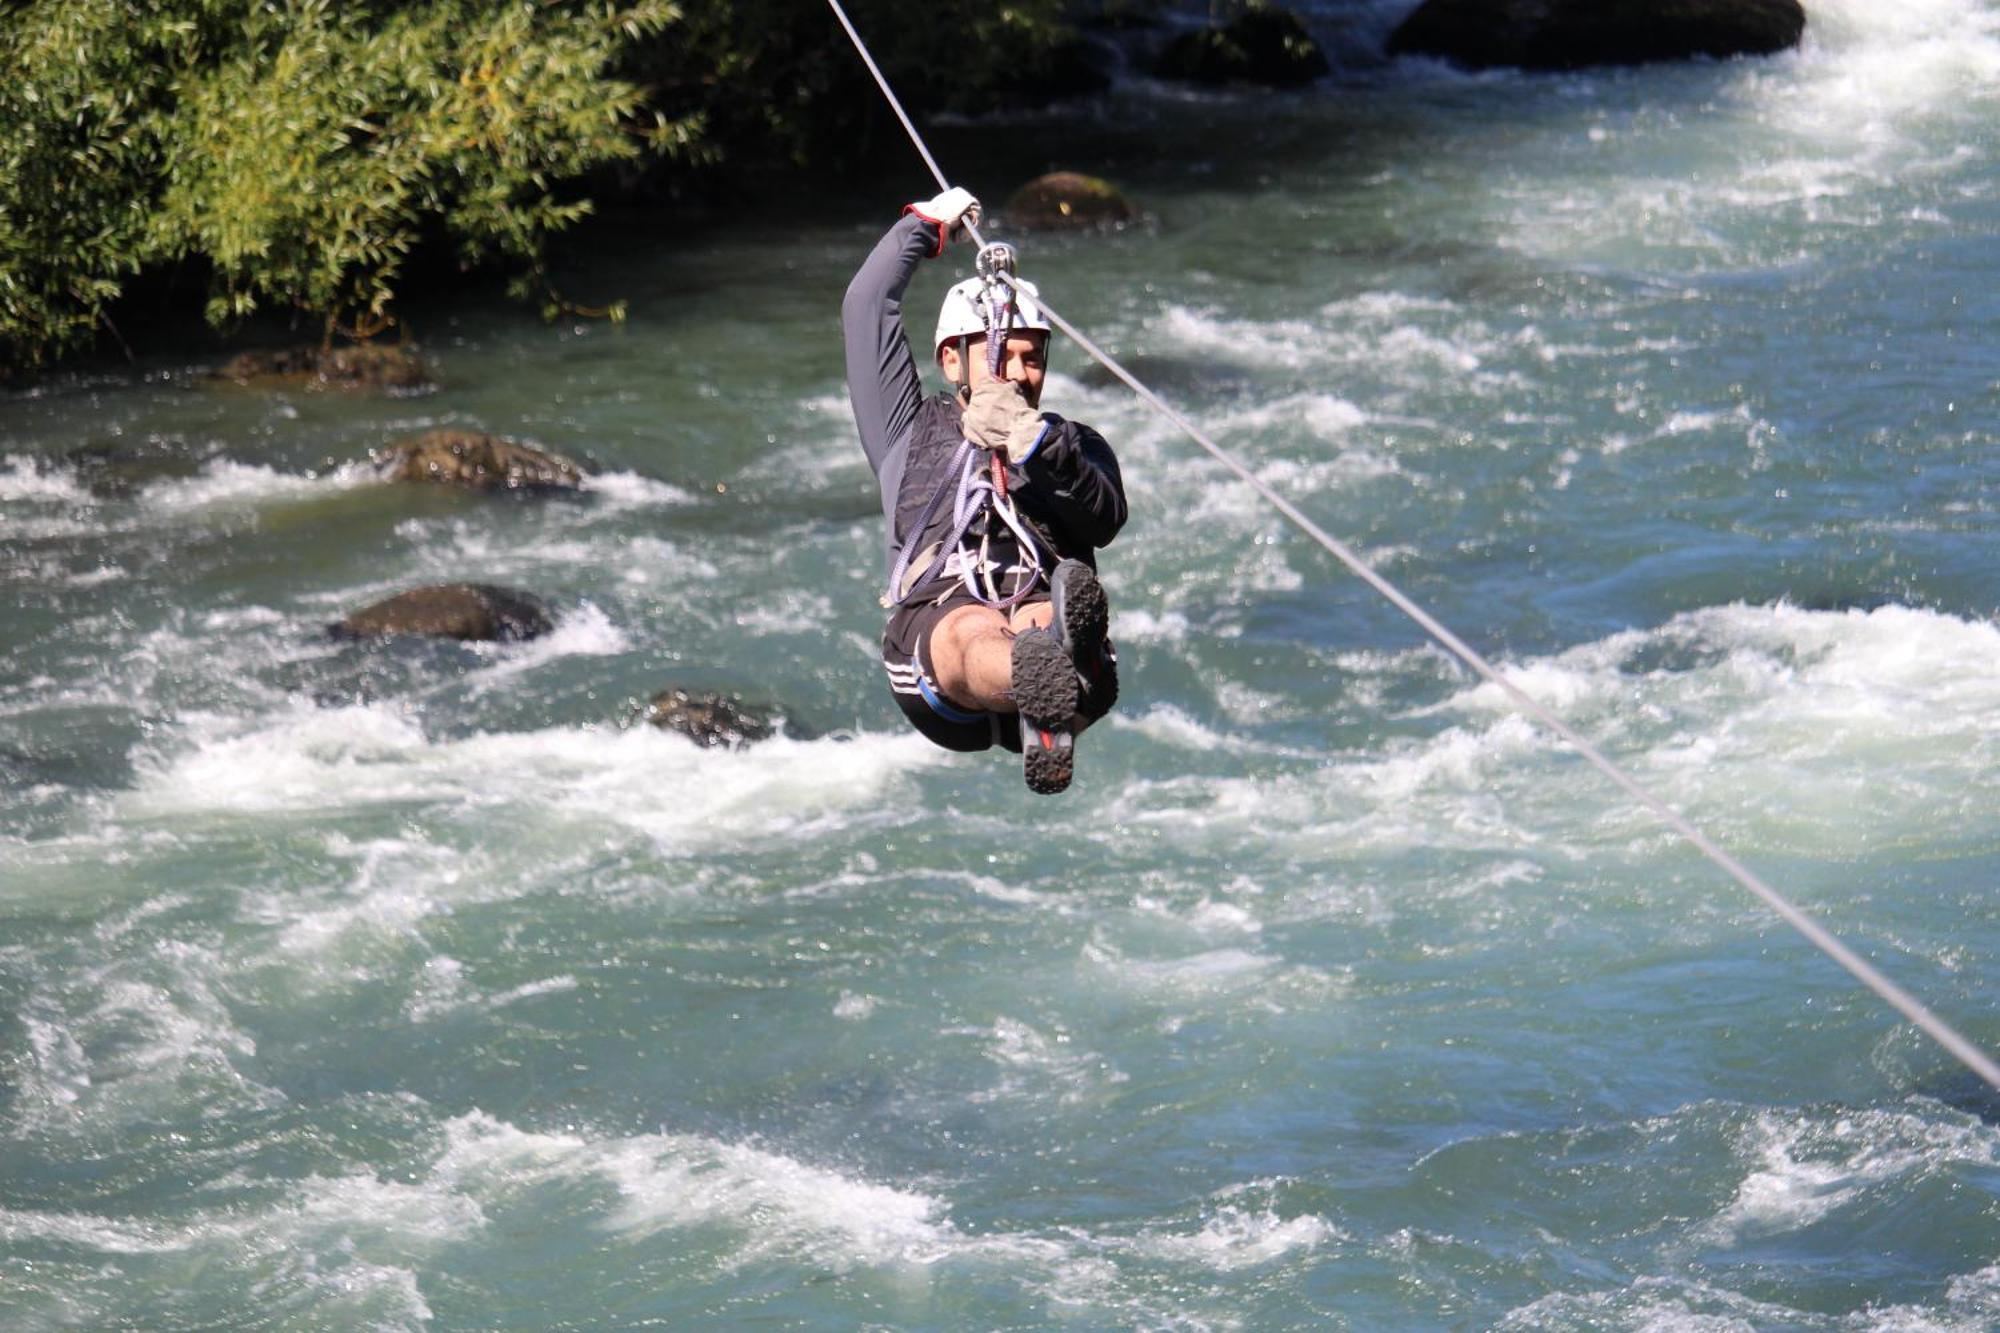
(410, 987)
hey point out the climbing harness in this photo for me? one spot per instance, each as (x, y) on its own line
(993, 303)
(979, 500)
(1971, 1056)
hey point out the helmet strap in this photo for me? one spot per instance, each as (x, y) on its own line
(964, 384)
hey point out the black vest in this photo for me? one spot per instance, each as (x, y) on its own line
(935, 436)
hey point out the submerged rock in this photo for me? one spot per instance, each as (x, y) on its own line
(1263, 45)
(1068, 201)
(1573, 34)
(385, 367)
(709, 719)
(122, 468)
(475, 612)
(476, 461)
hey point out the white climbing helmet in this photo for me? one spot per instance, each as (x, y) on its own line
(963, 314)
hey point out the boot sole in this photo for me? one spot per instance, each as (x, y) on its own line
(1083, 620)
(1045, 694)
(1048, 760)
(1045, 686)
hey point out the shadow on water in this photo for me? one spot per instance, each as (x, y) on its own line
(1962, 1090)
(42, 751)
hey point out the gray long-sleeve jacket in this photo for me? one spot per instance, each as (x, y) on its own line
(1069, 489)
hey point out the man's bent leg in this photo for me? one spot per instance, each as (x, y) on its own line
(971, 652)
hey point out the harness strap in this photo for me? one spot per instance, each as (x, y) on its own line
(902, 566)
(976, 496)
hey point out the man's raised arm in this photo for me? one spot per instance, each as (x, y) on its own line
(882, 381)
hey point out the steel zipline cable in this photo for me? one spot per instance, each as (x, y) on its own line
(1863, 971)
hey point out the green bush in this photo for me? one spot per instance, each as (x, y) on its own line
(295, 153)
(296, 149)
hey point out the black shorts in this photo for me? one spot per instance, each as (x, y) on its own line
(906, 656)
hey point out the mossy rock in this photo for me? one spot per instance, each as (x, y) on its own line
(1068, 201)
(708, 719)
(394, 368)
(472, 612)
(476, 461)
(1574, 34)
(1262, 45)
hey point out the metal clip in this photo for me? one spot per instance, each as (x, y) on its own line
(994, 258)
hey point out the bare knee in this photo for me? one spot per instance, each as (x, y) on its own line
(959, 645)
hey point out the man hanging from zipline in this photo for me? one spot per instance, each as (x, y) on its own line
(995, 510)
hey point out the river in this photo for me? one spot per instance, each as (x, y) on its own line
(411, 987)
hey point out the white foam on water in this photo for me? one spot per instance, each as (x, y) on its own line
(1806, 1167)
(649, 560)
(462, 545)
(102, 1234)
(1322, 414)
(727, 1205)
(441, 989)
(620, 492)
(410, 1213)
(855, 1008)
(1380, 338)
(1789, 711)
(1870, 69)
(301, 759)
(1226, 971)
(1235, 1238)
(584, 631)
(1877, 96)
(786, 611)
(131, 1038)
(1038, 1066)
(1656, 1305)
(224, 484)
(25, 479)
(1775, 715)
(1210, 917)
(56, 1074)
(311, 1240)
(1172, 726)
(775, 1204)
(1828, 734)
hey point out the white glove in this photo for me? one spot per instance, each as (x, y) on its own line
(999, 418)
(952, 211)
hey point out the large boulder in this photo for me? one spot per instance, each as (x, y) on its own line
(474, 612)
(1068, 201)
(1075, 68)
(709, 719)
(1263, 44)
(476, 461)
(396, 368)
(1573, 34)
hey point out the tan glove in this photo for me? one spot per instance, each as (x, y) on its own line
(999, 418)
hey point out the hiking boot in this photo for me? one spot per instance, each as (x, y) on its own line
(1082, 619)
(1045, 694)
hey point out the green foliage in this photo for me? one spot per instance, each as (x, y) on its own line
(299, 149)
(779, 77)
(296, 153)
